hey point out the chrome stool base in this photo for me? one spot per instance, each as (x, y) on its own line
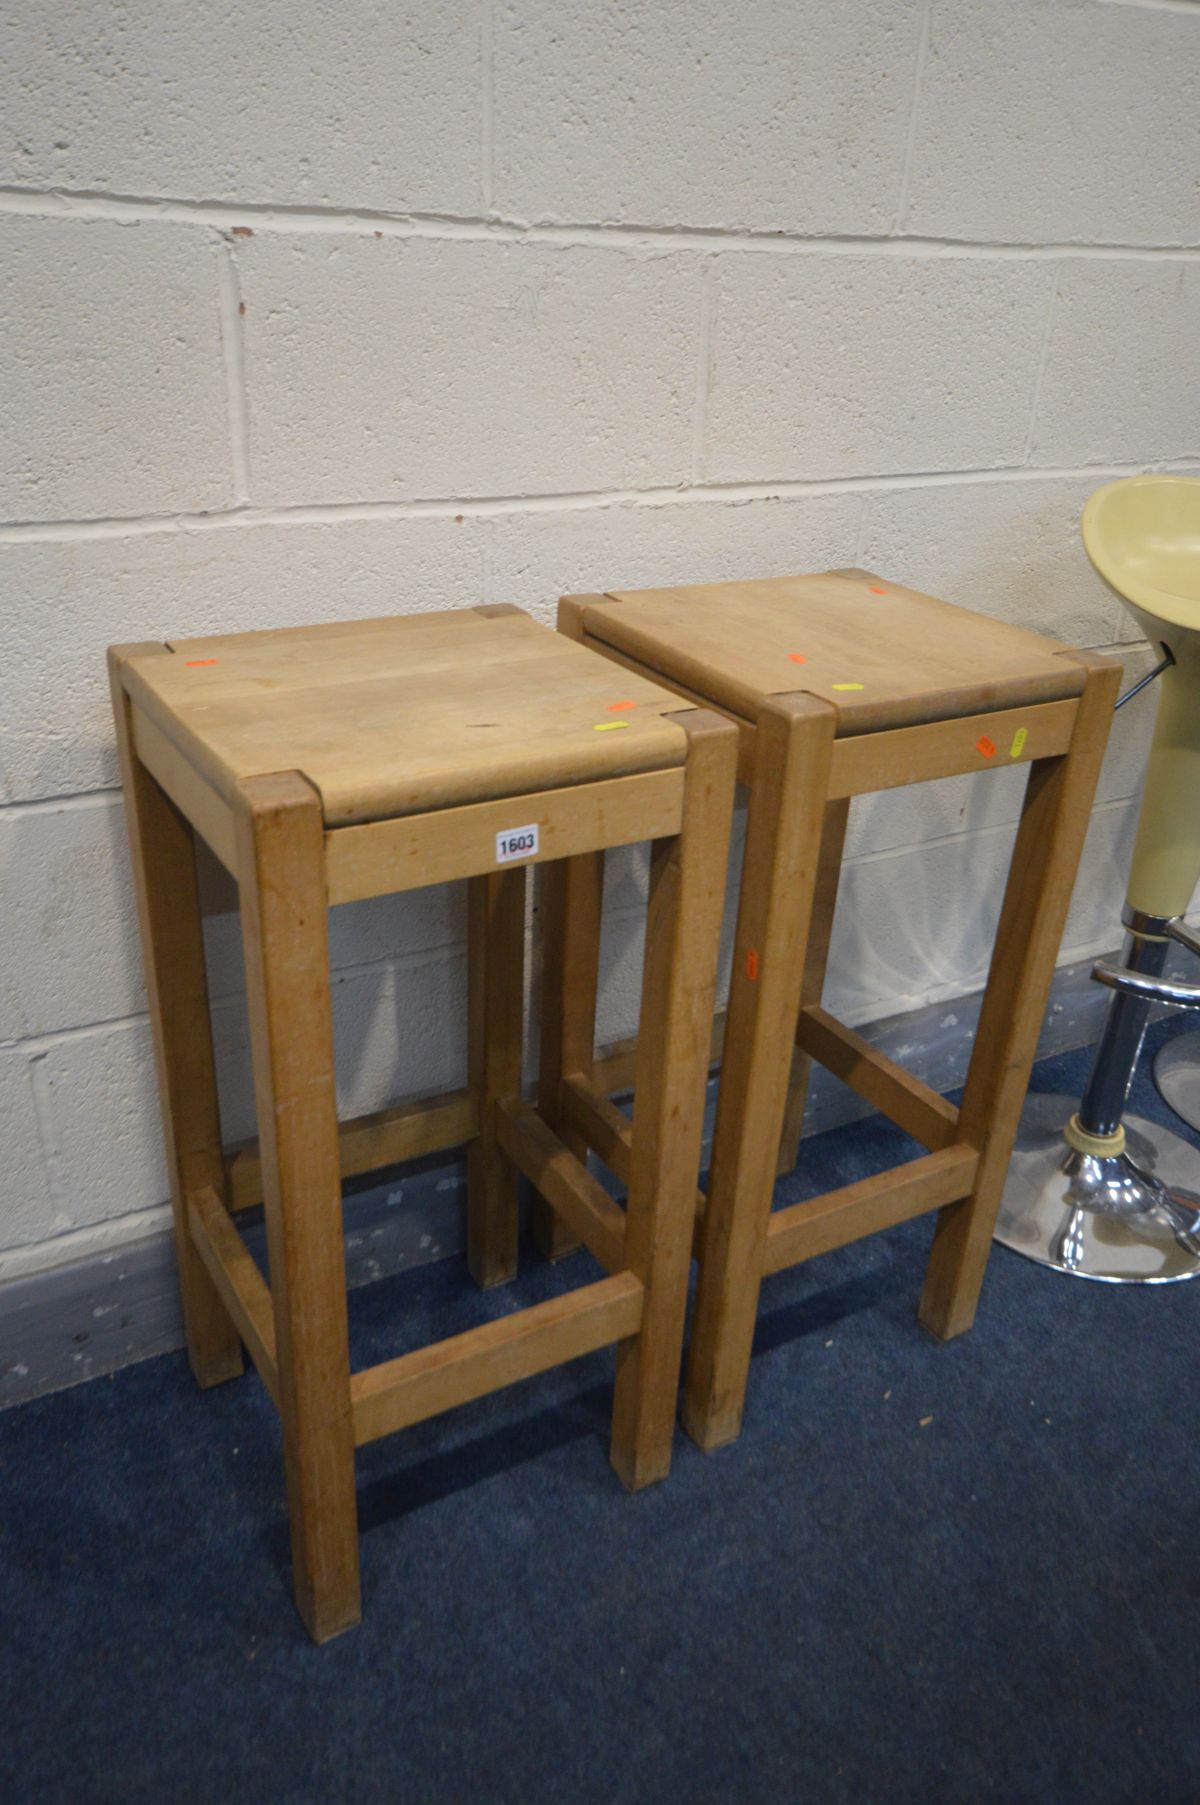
(1132, 1219)
(1177, 1077)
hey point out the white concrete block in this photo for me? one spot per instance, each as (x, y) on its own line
(105, 1140)
(71, 945)
(26, 1210)
(1094, 922)
(537, 557)
(317, 106)
(916, 925)
(360, 934)
(398, 1032)
(920, 813)
(1068, 122)
(385, 368)
(785, 118)
(111, 370)
(846, 365)
(1010, 550)
(66, 601)
(1121, 365)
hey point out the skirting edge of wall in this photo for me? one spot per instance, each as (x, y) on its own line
(91, 1316)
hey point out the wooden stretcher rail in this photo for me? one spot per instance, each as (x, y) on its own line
(386, 1138)
(437, 1378)
(804, 1230)
(567, 1186)
(602, 1125)
(613, 1067)
(905, 1100)
(410, 851)
(901, 755)
(241, 1285)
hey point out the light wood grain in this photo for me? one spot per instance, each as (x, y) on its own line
(567, 1186)
(449, 1373)
(905, 1100)
(916, 659)
(779, 875)
(495, 1030)
(683, 923)
(614, 1064)
(602, 1127)
(571, 901)
(971, 742)
(1054, 822)
(405, 713)
(816, 958)
(243, 1290)
(918, 689)
(803, 1230)
(281, 870)
(386, 1137)
(162, 852)
(436, 848)
(208, 813)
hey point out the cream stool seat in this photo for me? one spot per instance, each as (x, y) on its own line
(1095, 1192)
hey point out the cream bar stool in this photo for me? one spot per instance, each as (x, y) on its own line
(841, 684)
(1094, 1191)
(332, 763)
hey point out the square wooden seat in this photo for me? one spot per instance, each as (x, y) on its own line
(329, 763)
(843, 683)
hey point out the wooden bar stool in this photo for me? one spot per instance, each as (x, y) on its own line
(332, 763)
(840, 684)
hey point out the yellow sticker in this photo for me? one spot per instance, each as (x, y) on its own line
(609, 726)
(1018, 745)
(847, 686)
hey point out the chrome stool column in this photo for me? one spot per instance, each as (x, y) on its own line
(1092, 1191)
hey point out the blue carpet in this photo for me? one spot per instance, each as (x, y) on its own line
(924, 1573)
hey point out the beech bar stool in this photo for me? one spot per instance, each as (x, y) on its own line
(840, 684)
(331, 763)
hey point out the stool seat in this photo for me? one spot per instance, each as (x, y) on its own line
(404, 714)
(1143, 536)
(881, 655)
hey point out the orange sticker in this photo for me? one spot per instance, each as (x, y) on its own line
(986, 746)
(797, 657)
(200, 661)
(614, 706)
(875, 589)
(752, 965)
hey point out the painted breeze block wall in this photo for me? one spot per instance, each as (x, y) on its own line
(313, 311)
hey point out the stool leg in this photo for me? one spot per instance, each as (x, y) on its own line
(163, 851)
(820, 932)
(281, 861)
(572, 893)
(683, 925)
(1054, 822)
(496, 984)
(783, 844)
